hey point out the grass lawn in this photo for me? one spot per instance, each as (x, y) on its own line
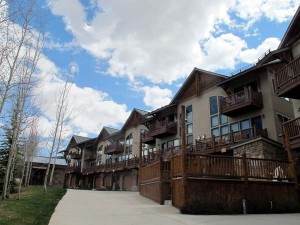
(34, 208)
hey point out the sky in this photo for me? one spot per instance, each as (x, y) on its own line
(127, 54)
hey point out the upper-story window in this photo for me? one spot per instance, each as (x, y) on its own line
(129, 142)
(189, 125)
(218, 122)
(99, 153)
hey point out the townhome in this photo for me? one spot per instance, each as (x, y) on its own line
(222, 145)
(287, 85)
(109, 161)
(220, 140)
(73, 156)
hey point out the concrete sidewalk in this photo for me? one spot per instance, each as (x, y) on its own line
(80, 207)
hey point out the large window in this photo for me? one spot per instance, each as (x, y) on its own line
(129, 141)
(189, 125)
(218, 122)
(281, 119)
(99, 154)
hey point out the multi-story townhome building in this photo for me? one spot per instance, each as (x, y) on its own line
(287, 85)
(111, 160)
(222, 132)
(223, 144)
(73, 156)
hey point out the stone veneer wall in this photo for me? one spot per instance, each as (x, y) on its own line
(260, 148)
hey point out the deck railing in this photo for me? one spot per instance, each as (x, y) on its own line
(239, 99)
(72, 169)
(292, 127)
(213, 144)
(161, 127)
(114, 148)
(90, 156)
(287, 75)
(200, 165)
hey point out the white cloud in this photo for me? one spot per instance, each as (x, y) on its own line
(156, 97)
(222, 52)
(274, 10)
(252, 55)
(90, 109)
(159, 40)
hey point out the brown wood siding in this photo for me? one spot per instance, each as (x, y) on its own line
(127, 182)
(97, 182)
(107, 181)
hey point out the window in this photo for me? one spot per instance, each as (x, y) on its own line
(190, 128)
(224, 130)
(99, 153)
(189, 139)
(234, 127)
(214, 121)
(128, 142)
(245, 125)
(218, 122)
(189, 114)
(163, 145)
(281, 119)
(189, 125)
(176, 142)
(213, 103)
(169, 144)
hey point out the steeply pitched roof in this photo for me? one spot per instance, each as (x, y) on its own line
(110, 130)
(210, 79)
(292, 33)
(80, 139)
(141, 111)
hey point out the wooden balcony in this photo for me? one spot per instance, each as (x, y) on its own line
(75, 155)
(287, 80)
(90, 156)
(89, 170)
(146, 138)
(114, 148)
(292, 129)
(241, 102)
(73, 169)
(162, 129)
(222, 143)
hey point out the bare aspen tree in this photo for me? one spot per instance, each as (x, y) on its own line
(60, 119)
(20, 64)
(29, 150)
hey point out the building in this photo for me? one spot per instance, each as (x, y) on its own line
(108, 162)
(222, 145)
(38, 170)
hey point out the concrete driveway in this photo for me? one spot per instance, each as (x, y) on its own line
(80, 207)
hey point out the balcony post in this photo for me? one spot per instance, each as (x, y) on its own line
(287, 145)
(183, 146)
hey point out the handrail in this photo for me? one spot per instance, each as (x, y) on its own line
(287, 74)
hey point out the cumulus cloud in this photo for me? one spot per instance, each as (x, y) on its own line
(90, 109)
(159, 40)
(274, 10)
(156, 97)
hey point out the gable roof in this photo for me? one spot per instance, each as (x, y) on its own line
(202, 84)
(292, 33)
(80, 139)
(134, 118)
(110, 130)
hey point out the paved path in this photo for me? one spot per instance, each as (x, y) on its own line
(80, 207)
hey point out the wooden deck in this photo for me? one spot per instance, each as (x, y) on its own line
(292, 128)
(241, 102)
(185, 170)
(287, 80)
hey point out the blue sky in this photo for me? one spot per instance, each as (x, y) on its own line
(129, 54)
